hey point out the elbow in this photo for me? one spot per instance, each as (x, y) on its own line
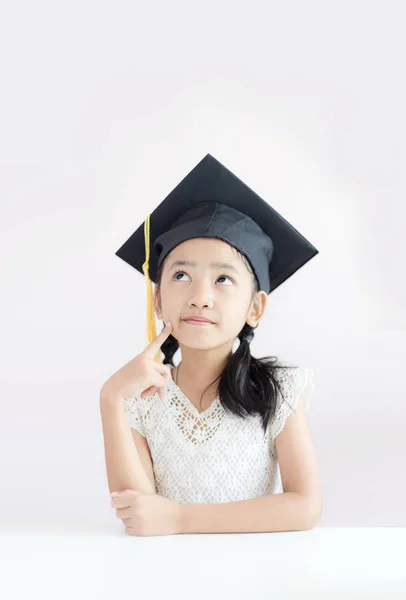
(312, 522)
(313, 512)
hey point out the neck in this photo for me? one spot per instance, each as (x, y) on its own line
(202, 367)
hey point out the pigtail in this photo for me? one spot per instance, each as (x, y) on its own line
(248, 385)
(169, 348)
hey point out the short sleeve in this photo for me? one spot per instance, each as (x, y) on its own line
(134, 414)
(295, 382)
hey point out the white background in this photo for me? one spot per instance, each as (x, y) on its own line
(104, 108)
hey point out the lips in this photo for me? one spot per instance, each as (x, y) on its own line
(198, 320)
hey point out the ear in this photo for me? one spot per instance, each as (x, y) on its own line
(257, 308)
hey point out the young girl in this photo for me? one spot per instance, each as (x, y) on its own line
(219, 443)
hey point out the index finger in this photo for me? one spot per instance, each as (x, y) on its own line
(155, 345)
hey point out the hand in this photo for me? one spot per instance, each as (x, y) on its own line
(148, 514)
(141, 374)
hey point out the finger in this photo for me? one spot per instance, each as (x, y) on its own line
(161, 378)
(124, 499)
(162, 392)
(148, 392)
(124, 513)
(155, 345)
(119, 503)
(153, 389)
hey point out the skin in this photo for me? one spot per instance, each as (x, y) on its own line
(211, 293)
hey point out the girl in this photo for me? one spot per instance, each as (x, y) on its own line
(215, 446)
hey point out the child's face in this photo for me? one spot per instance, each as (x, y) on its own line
(221, 294)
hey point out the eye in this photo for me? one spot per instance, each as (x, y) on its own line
(226, 277)
(183, 272)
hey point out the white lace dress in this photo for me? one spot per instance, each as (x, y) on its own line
(214, 456)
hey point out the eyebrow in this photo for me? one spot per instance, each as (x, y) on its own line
(191, 263)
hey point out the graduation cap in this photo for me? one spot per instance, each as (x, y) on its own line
(212, 202)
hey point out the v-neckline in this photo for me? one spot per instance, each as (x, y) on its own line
(189, 402)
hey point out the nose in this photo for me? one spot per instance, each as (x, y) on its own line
(202, 295)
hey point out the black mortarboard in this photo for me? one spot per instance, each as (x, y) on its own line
(213, 202)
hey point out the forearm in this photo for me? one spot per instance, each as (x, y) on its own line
(276, 512)
(123, 464)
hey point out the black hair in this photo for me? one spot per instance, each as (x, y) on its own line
(247, 385)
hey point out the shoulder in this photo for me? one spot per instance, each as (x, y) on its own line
(295, 381)
(296, 387)
(142, 411)
(134, 409)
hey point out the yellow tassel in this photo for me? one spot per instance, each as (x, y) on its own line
(151, 329)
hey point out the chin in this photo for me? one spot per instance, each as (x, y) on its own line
(198, 337)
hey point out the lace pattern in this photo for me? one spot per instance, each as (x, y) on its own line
(295, 382)
(214, 456)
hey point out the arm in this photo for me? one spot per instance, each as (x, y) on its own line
(126, 466)
(276, 512)
(299, 507)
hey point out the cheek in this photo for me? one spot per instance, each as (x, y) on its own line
(171, 308)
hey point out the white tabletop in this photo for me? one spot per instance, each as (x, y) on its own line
(102, 561)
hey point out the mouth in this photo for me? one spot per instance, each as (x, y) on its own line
(197, 322)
